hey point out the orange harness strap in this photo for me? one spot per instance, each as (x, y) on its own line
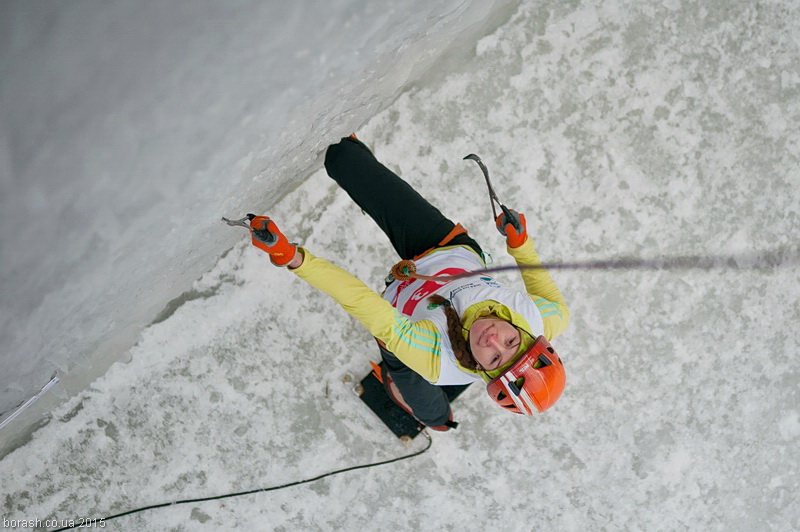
(457, 230)
(376, 370)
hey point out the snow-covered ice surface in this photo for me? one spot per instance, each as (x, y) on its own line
(649, 130)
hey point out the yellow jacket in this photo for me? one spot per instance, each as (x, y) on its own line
(400, 334)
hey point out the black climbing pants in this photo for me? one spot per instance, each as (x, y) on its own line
(413, 226)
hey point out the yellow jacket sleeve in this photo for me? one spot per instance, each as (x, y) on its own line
(542, 290)
(416, 344)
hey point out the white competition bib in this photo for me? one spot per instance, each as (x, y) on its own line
(410, 298)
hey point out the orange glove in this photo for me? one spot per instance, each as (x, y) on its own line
(515, 230)
(267, 237)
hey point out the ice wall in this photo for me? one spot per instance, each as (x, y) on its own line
(129, 128)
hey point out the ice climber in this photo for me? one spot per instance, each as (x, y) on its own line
(444, 332)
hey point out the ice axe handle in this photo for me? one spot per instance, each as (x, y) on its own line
(264, 234)
(512, 218)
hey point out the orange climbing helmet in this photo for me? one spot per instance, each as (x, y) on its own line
(531, 384)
